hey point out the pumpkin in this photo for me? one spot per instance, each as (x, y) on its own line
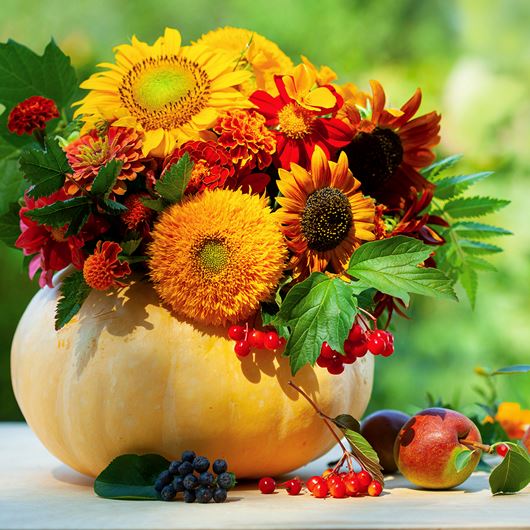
(127, 376)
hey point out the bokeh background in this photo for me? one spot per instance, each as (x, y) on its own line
(472, 60)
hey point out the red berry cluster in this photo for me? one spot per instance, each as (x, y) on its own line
(248, 338)
(337, 485)
(358, 344)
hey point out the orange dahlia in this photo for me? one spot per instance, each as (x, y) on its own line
(246, 137)
(324, 215)
(138, 216)
(89, 153)
(31, 114)
(103, 268)
(389, 146)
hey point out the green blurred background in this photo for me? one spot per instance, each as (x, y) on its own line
(471, 58)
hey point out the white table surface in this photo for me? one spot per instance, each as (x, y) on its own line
(38, 492)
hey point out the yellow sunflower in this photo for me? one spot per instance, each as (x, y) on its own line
(216, 256)
(249, 49)
(324, 215)
(170, 93)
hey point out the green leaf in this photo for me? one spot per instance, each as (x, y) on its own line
(474, 206)
(515, 369)
(155, 204)
(472, 230)
(45, 169)
(440, 166)
(23, 74)
(12, 182)
(468, 279)
(74, 291)
(449, 187)
(513, 473)
(346, 422)
(480, 264)
(478, 247)
(390, 266)
(106, 178)
(130, 245)
(365, 454)
(462, 459)
(60, 213)
(113, 207)
(78, 221)
(316, 310)
(131, 477)
(173, 183)
(10, 225)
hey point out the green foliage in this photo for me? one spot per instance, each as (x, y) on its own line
(365, 454)
(391, 266)
(513, 473)
(10, 225)
(515, 369)
(23, 74)
(45, 169)
(113, 207)
(106, 178)
(462, 458)
(12, 183)
(74, 291)
(347, 422)
(316, 310)
(61, 213)
(172, 185)
(462, 255)
(131, 477)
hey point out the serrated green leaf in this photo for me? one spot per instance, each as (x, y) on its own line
(478, 248)
(131, 477)
(113, 207)
(74, 291)
(513, 473)
(23, 74)
(391, 266)
(480, 264)
(10, 225)
(473, 206)
(60, 213)
(515, 369)
(12, 182)
(155, 204)
(462, 458)
(472, 230)
(365, 454)
(347, 422)
(106, 178)
(468, 279)
(130, 245)
(78, 221)
(174, 181)
(450, 187)
(440, 166)
(45, 169)
(316, 310)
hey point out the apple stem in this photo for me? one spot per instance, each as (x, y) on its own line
(476, 445)
(325, 419)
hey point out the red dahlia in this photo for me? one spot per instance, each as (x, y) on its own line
(103, 268)
(31, 114)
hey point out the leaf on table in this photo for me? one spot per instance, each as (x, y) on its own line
(365, 454)
(131, 477)
(513, 473)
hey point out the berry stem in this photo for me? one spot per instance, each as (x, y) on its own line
(477, 445)
(325, 419)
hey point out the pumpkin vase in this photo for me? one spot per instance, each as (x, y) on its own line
(127, 376)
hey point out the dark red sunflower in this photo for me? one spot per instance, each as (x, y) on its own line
(301, 116)
(389, 146)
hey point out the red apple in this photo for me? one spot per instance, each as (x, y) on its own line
(428, 444)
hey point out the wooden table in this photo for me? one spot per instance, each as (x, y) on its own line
(37, 491)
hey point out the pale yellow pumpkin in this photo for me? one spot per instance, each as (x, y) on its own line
(126, 376)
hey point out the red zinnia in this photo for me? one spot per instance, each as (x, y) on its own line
(51, 250)
(103, 268)
(212, 166)
(389, 147)
(296, 116)
(33, 113)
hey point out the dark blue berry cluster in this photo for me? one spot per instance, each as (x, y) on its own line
(191, 476)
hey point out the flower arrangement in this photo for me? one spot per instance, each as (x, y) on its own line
(255, 194)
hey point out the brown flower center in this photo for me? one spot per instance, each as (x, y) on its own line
(327, 218)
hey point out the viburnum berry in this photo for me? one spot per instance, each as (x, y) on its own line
(356, 333)
(236, 332)
(375, 488)
(293, 486)
(376, 345)
(353, 487)
(349, 358)
(256, 339)
(365, 479)
(337, 488)
(271, 340)
(310, 484)
(324, 362)
(327, 473)
(360, 349)
(242, 348)
(327, 351)
(336, 367)
(283, 342)
(267, 485)
(502, 450)
(320, 490)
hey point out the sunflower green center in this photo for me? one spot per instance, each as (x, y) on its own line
(213, 256)
(374, 157)
(165, 92)
(326, 220)
(295, 121)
